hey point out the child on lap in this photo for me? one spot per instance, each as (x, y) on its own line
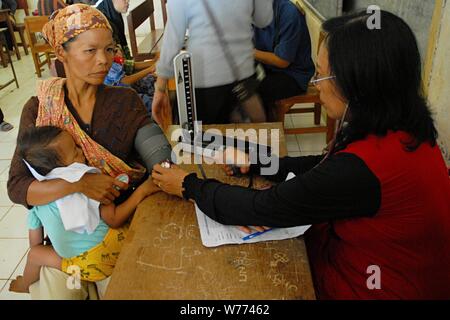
(46, 148)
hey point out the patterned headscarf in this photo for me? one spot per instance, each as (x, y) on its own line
(71, 21)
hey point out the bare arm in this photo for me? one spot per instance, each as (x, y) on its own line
(270, 58)
(36, 236)
(40, 193)
(145, 64)
(99, 187)
(117, 216)
(161, 110)
(137, 76)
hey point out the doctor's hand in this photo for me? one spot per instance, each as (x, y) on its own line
(169, 180)
(248, 229)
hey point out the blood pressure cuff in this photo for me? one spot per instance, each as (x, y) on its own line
(152, 145)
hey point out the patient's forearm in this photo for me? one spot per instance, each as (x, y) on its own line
(136, 76)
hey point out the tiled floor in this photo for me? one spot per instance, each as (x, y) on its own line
(13, 232)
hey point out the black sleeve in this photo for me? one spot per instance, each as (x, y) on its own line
(297, 165)
(339, 188)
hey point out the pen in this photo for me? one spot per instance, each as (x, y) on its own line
(255, 234)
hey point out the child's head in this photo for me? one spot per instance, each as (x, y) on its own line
(46, 148)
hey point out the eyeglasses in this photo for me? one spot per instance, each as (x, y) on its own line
(315, 80)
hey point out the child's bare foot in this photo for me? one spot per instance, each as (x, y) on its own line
(18, 285)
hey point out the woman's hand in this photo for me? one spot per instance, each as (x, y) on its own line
(100, 187)
(235, 158)
(250, 231)
(170, 180)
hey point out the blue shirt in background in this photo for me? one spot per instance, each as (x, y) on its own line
(288, 38)
(67, 244)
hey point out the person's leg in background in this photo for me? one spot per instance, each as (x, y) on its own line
(4, 126)
(277, 86)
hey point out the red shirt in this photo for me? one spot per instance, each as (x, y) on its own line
(408, 239)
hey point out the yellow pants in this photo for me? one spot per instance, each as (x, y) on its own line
(98, 263)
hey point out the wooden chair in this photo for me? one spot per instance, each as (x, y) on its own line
(20, 27)
(312, 95)
(39, 48)
(4, 56)
(152, 42)
(4, 51)
(5, 17)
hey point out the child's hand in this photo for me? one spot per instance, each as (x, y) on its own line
(148, 187)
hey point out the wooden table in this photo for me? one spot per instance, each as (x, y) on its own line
(163, 256)
(4, 16)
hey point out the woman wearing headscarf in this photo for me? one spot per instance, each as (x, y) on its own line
(104, 121)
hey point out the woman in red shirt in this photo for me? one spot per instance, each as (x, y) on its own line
(379, 201)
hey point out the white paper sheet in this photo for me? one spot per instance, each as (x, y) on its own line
(214, 234)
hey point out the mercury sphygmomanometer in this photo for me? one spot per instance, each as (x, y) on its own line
(193, 139)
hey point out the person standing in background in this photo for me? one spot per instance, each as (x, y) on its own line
(213, 76)
(284, 49)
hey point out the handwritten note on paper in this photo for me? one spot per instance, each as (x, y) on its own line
(214, 234)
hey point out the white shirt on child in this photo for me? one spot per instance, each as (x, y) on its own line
(78, 212)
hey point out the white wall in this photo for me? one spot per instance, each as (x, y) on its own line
(439, 86)
(144, 29)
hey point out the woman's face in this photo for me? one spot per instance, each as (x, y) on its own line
(333, 102)
(121, 5)
(89, 57)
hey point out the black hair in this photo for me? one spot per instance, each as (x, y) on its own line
(379, 72)
(34, 147)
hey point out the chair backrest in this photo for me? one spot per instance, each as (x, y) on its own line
(136, 17)
(33, 25)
